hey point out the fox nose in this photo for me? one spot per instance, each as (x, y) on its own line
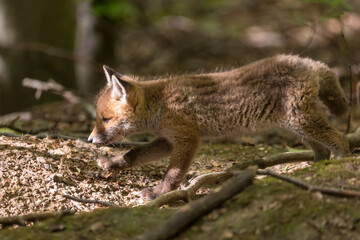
(90, 139)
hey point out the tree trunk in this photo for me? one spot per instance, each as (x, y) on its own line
(95, 41)
(45, 23)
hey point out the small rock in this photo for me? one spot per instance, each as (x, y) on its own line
(209, 166)
(57, 228)
(227, 234)
(215, 164)
(61, 179)
(38, 202)
(318, 195)
(57, 178)
(97, 227)
(206, 228)
(47, 166)
(40, 159)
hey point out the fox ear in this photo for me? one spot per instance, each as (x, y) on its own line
(108, 73)
(120, 88)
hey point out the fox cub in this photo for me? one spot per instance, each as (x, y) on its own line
(280, 91)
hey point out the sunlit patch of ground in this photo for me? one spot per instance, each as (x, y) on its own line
(36, 173)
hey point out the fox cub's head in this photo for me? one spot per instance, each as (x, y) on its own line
(116, 109)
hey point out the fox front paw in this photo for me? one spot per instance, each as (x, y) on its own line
(151, 193)
(107, 163)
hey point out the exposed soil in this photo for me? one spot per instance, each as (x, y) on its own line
(36, 173)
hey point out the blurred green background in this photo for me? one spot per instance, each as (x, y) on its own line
(70, 40)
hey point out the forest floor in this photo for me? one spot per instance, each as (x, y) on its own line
(36, 173)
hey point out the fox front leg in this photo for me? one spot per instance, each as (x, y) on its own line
(156, 150)
(182, 155)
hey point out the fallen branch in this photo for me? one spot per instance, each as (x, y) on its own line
(192, 211)
(50, 85)
(290, 157)
(189, 192)
(106, 204)
(11, 126)
(312, 188)
(65, 137)
(32, 217)
(42, 136)
(54, 87)
(286, 157)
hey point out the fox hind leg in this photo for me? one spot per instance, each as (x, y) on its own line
(320, 135)
(321, 152)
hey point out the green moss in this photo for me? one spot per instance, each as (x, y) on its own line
(119, 222)
(268, 209)
(272, 209)
(8, 130)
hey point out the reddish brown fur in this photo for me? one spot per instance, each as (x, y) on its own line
(281, 91)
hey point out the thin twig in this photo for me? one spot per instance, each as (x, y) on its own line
(42, 136)
(32, 217)
(358, 93)
(65, 137)
(311, 39)
(126, 144)
(347, 52)
(51, 51)
(350, 102)
(107, 204)
(312, 188)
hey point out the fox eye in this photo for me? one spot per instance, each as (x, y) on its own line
(106, 120)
